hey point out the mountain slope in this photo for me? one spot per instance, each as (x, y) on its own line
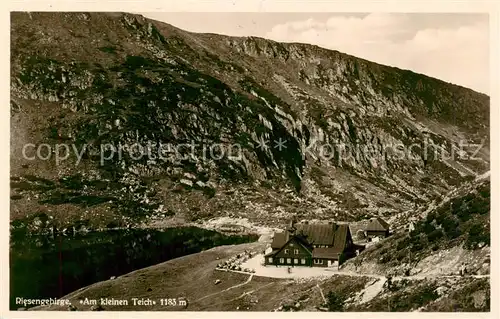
(452, 234)
(344, 137)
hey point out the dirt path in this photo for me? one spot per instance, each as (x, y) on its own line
(413, 277)
(227, 289)
(247, 293)
(373, 289)
(421, 277)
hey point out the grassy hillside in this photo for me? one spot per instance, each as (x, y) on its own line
(244, 292)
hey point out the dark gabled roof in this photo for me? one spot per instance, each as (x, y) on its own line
(297, 238)
(303, 241)
(272, 253)
(314, 234)
(377, 224)
(341, 237)
(326, 253)
(279, 240)
(317, 234)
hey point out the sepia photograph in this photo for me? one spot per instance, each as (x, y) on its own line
(249, 161)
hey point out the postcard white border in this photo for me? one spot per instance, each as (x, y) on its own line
(244, 6)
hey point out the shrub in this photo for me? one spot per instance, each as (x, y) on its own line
(386, 258)
(417, 245)
(453, 233)
(464, 215)
(485, 191)
(209, 191)
(108, 49)
(428, 228)
(407, 301)
(401, 254)
(335, 302)
(449, 223)
(416, 232)
(457, 205)
(441, 216)
(402, 244)
(434, 235)
(430, 217)
(477, 233)
(480, 207)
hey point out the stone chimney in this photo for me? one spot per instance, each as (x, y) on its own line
(291, 226)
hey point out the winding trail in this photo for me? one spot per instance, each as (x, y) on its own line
(247, 293)
(227, 289)
(373, 289)
(413, 277)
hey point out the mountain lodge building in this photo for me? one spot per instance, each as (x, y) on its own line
(377, 228)
(312, 245)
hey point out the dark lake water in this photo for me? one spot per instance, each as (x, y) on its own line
(53, 266)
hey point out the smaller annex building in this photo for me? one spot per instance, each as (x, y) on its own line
(312, 245)
(377, 227)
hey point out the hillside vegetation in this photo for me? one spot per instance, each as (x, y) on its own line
(454, 232)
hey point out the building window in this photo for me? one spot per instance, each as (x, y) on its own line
(282, 260)
(289, 260)
(270, 259)
(296, 251)
(287, 251)
(318, 261)
(303, 261)
(296, 261)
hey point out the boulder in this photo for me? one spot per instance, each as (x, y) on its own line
(441, 291)
(186, 182)
(189, 175)
(200, 184)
